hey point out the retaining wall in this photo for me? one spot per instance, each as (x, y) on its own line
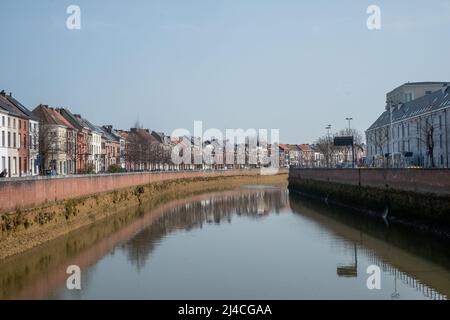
(21, 193)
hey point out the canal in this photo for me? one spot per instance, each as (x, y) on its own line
(257, 242)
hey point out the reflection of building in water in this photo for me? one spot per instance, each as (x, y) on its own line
(216, 208)
(427, 291)
(402, 248)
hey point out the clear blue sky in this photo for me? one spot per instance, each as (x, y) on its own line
(291, 65)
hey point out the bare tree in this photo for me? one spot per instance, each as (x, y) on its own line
(427, 132)
(380, 138)
(325, 145)
(50, 145)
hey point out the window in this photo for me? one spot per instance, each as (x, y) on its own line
(9, 139)
(20, 124)
(3, 138)
(14, 123)
(14, 140)
(440, 141)
(3, 121)
(9, 122)
(440, 122)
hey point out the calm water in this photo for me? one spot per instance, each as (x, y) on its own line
(253, 243)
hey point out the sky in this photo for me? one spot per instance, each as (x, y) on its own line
(291, 65)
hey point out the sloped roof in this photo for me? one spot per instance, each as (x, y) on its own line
(143, 135)
(77, 122)
(50, 116)
(433, 101)
(305, 147)
(22, 108)
(90, 125)
(10, 108)
(109, 136)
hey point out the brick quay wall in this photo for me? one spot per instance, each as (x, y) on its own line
(24, 193)
(415, 196)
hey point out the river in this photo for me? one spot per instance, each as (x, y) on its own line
(258, 242)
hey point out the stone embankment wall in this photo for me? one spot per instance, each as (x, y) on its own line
(412, 195)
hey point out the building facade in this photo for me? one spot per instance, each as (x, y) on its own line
(10, 137)
(413, 131)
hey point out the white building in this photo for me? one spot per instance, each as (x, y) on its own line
(3, 141)
(94, 146)
(9, 138)
(414, 130)
(33, 136)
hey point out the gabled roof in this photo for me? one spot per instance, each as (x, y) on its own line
(51, 117)
(143, 135)
(22, 108)
(74, 120)
(108, 135)
(284, 147)
(158, 136)
(91, 126)
(417, 107)
(10, 108)
(305, 147)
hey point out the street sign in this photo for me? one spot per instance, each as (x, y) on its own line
(343, 141)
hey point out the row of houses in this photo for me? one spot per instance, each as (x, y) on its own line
(414, 128)
(55, 141)
(300, 155)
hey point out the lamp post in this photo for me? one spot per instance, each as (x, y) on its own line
(349, 119)
(328, 128)
(349, 123)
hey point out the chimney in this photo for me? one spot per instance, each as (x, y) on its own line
(10, 94)
(3, 93)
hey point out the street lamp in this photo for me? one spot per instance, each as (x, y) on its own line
(349, 123)
(328, 128)
(349, 119)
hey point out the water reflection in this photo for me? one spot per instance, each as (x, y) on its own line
(420, 261)
(257, 242)
(214, 209)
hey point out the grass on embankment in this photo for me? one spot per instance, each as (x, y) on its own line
(23, 230)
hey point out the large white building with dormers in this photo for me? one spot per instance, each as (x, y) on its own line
(414, 130)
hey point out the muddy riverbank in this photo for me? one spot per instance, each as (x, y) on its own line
(22, 230)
